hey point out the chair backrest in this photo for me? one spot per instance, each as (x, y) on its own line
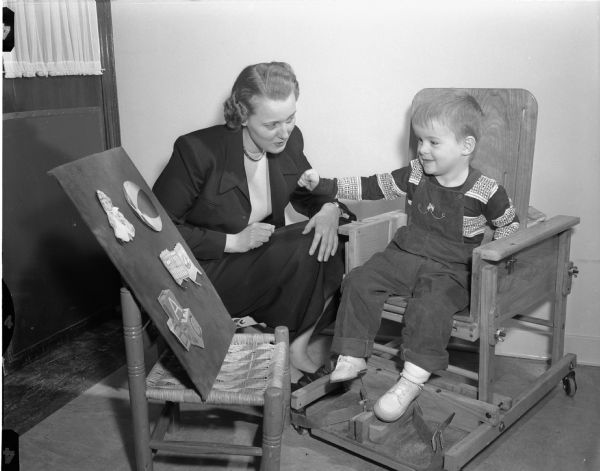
(140, 265)
(505, 149)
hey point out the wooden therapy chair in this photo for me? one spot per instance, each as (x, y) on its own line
(511, 277)
(201, 361)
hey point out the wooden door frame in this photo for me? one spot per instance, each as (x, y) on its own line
(108, 79)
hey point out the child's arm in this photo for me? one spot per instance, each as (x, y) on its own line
(501, 213)
(375, 187)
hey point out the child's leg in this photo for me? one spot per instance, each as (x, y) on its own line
(440, 292)
(364, 292)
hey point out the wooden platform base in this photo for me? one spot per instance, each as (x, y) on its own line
(422, 439)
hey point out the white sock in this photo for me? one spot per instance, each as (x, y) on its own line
(415, 373)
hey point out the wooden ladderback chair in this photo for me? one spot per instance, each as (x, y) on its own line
(204, 363)
(253, 374)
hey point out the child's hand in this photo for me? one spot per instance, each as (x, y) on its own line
(309, 179)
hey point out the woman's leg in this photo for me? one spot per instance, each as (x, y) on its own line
(279, 283)
(299, 357)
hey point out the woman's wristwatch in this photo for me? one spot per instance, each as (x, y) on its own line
(337, 205)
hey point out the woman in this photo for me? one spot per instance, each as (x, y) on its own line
(226, 187)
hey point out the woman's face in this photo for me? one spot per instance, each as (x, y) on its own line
(271, 123)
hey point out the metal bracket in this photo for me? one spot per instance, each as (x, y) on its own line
(510, 265)
(499, 335)
(572, 271)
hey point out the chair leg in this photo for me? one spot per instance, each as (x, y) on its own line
(559, 304)
(175, 418)
(136, 371)
(165, 421)
(486, 372)
(282, 335)
(272, 430)
(487, 343)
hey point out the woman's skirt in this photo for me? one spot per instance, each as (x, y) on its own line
(279, 283)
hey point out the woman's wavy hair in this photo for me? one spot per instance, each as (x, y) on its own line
(273, 80)
(455, 109)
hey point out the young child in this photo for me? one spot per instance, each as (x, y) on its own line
(449, 203)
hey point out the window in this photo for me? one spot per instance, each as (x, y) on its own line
(53, 37)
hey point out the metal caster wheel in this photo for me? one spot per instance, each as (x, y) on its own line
(569, 384)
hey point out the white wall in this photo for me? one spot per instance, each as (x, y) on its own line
(359, 64)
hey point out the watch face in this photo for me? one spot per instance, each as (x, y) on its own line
(142, 205)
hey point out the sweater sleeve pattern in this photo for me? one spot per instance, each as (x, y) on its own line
(387, 186)
(496, 207)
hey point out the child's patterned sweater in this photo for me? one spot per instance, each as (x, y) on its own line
(485, 202)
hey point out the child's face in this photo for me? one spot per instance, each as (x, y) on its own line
(440, 153)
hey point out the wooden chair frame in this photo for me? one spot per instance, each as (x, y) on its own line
(141, 354)
(510, 277)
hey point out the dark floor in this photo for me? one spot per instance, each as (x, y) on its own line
(39, 388)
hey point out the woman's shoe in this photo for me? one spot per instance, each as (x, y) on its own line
(348, 368)
(394, 403)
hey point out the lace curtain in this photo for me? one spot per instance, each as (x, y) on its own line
(53, 37)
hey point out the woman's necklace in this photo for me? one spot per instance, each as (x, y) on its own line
(254, 156)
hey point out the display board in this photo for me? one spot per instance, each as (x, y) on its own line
(184, 305)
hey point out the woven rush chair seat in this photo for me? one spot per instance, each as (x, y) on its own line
(253, 363)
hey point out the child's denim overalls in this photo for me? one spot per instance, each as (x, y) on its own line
(426, 261)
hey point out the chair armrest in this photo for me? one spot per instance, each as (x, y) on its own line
(499, 249)
(369, 236)
(397, 219)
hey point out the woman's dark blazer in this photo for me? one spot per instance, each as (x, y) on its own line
(205, 191)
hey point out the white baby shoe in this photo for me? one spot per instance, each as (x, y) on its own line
(393, 404)
(347, 368)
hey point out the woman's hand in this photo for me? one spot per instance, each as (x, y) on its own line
(309, 179)
(253, 236)
(325, 223)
